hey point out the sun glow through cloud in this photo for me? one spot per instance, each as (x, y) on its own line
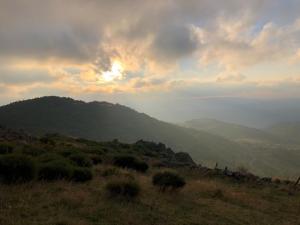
(170, 47)
(115, 73)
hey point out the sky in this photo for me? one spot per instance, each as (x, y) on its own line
(140, 53)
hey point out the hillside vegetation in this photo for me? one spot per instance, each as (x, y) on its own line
(131, 184)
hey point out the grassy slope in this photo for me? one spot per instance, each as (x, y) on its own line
(64, 203)
(204, 200)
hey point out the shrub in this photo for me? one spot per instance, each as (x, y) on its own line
(123, 188)
(6, 148)
(68, 152)
(165, 180)
(81, 159)
(96, 159)
(131, 162)
(33, 151)
(82, 174)
(111, 171)
(47, 140)
(55, 170)
(48, 157)
(17, 168)
(218, 193)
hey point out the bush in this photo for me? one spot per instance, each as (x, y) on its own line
(96, 159)
(47, 140)
(48, 157)
(82, 174)
(81, 160)
(55, 170)
(6, 148)
(131, 162)
(165, 180)
(111, 171)
(68, 152)
(33, 151)
(218, 193)
(17, 168)
(123, 188)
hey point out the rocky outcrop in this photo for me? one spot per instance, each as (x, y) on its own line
(168, 158)
(184, 159)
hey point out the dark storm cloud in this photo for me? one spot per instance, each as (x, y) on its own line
(45, 43)
(173, 43)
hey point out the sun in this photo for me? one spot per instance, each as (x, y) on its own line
(115, 73)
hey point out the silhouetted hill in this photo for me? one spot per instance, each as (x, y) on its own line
(104, 121)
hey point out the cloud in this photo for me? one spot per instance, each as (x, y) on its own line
(173, 43)
(76, 41)
(235, 45)
(230, 78)
(75, 29)
(19, 77)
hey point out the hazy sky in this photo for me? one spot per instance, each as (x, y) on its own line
(137, 51)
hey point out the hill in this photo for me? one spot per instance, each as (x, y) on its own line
(78, 182)
(231, 131)
(270, 152)
(102, 121)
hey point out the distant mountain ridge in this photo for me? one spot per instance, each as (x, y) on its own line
(232, 131)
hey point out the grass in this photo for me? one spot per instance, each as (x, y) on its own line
(204, 200)
(63, 202)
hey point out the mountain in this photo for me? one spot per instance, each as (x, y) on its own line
(231, 131)
(251, 112)
(103, 121)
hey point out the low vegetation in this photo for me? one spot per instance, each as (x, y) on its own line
(110, 171)
(127, 188)
(117, 191)
(17, 168)
(82, 174)
(130, 162)
(5, 148)
(55, 170)
(168, 180)
(81, 160)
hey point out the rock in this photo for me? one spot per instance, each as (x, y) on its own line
(184, 158)
(266, 180)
